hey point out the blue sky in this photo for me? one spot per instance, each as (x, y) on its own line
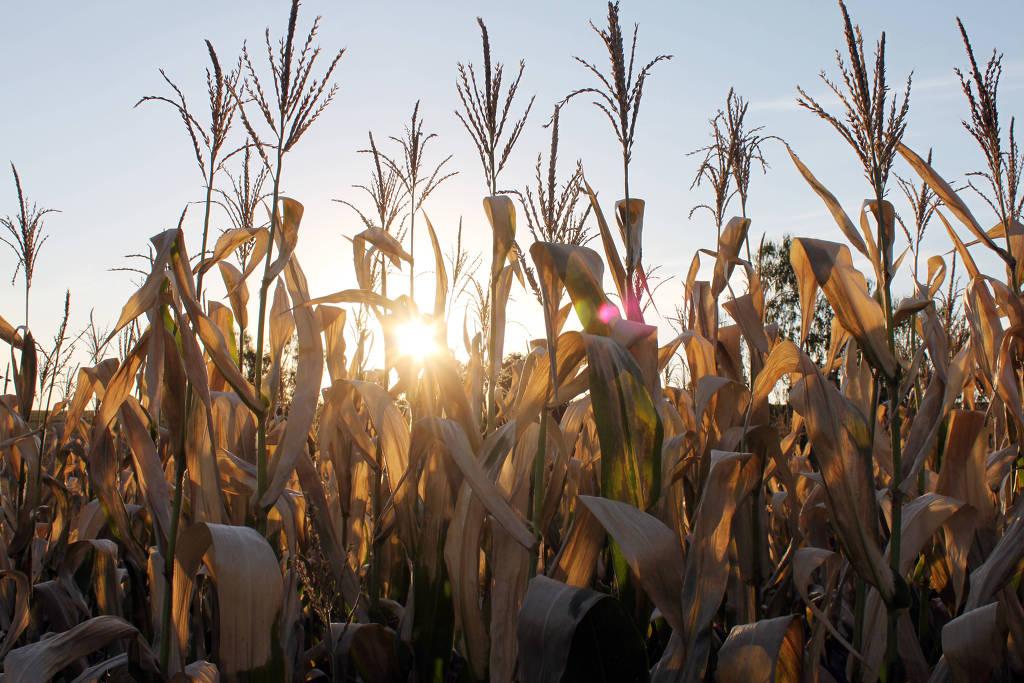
(120, 174)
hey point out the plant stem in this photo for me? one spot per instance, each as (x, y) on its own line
(858, 623)
(537, 508)
(541, 459)
(206, 231)
(892, 663)
(494, 364)
(632, 305)
(241, 349)
(261, 433)
(755, 520)
(374, 578)
(492, 179)
(46, 415)
(172, 540)
(179, 466)
(412, 245)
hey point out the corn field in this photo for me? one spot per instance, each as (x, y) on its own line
(279, 484)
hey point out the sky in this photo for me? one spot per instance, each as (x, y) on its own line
(119, 174)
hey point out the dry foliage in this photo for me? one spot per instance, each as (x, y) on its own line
(566, 515)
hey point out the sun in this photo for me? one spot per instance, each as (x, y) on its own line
(416, 339)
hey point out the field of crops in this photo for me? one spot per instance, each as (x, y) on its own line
(282, 484)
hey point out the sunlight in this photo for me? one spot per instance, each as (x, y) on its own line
(416, 339)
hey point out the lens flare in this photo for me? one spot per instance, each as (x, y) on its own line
(416, 338)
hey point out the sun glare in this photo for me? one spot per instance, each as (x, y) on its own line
(416, 339)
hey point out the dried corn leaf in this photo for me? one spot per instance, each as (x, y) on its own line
(830, 266)
(43, 659)
(766, 650)
(651, 549)
(576, 634)
(249, 591)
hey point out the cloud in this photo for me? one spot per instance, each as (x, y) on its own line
(786, 103)
(935, 86)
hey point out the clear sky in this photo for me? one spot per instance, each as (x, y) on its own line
(120, 175)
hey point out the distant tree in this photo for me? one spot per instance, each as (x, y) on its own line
(288, 367)
(510, 365)
(782, 299)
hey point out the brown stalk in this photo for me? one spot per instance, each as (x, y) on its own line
(26, 234)
(1004, 162)
(716, 170)
(873, 125)
(551, 209)
(290, 102)
(207, 142)
(389, 198)
(744, 147)
(617, 96)
(485, 111)
(484, 115)
(923, 202)
(243, 201)
(419, 180)
(463, 266)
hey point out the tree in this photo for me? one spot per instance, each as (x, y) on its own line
(782, 300)
(289, 362)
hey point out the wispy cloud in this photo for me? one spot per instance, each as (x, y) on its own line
(936, 86)
(783, 103)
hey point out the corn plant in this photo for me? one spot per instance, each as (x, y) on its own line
(618, 97)
(419, 180)
(26, 235)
